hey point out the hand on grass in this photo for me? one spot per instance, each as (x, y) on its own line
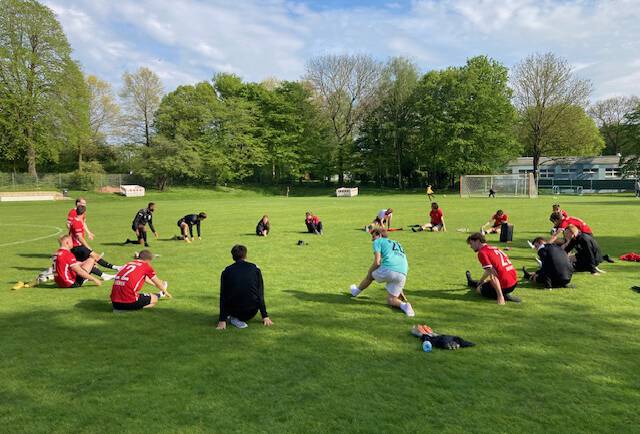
(267, 322)
(90, 235)
(155, 234)
(222, 325)
(501, 302)
(98, 282)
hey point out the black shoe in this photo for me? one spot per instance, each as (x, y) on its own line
(512, 298)
(608, 259)
(527, 275)
(146, 245)
(468, 274)
(414, 229)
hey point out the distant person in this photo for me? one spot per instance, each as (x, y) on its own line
(186, 225)
(143, 218)
(492, 193)
(436, 222)
(73, 213)
(495, 224)
(241, 292)
(637, 188)
(263, 227)
(125, 293)
(390, 267)
(556, 268)
(68, 272)
(81, 249)
(313, 223)
(430, 193)
(499, 278)
(587, 252)
(384, 217)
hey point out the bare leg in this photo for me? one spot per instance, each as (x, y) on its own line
(88, 265)
(185, 231)
(365, 282)
(154, 301)
(394, 301)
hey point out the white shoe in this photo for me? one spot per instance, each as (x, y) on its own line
(237, 323)
(106, 276)
(166, 285)
(354, 290)
(407, 309)
(483, 232)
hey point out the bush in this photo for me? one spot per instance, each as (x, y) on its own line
(88, 176)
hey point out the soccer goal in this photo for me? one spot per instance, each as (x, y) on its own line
(516, 185)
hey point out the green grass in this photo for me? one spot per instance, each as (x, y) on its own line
(562, 361)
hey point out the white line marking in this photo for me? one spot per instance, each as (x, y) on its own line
(58, 230)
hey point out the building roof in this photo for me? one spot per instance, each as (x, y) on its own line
(549, 161)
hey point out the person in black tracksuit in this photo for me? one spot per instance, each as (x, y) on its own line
(241, 292)
(556, 269)
(143, 218)
(588, 254)
(187, 223)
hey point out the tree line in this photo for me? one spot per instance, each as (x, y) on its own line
(349, 118)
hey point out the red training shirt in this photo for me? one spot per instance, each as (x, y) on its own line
(436, 216)
(492, 257)
(73, 214)
(497, 221)
(75, 230)
(313, 219)
(64, 275)
(579, 223)
(130, 280)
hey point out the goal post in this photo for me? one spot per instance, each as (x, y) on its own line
(515, 185)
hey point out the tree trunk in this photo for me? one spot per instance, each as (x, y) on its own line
(536, 160)
(398, 157)
(31, 161)
(340, 166)
(146, 131)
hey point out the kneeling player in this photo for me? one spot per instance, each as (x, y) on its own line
(588, 254)
(555, 270)
(499, 278)
(496, 223)
(561, 221)
(389, 266)
(187, 223)
(143, 217)
(314, 224)
(437, 220)
(68, 272)
(263, 227)
(125, 294)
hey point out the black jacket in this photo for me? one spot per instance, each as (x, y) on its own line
(241, 289)
(142, 218)
(262, 226)
(556, 266)
(192, 220)
(588, 254)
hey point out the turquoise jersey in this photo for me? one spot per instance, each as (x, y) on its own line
(393, 257)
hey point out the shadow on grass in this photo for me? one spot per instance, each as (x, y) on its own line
(29, 268)
(465, 294)
(36, 255)
(115, 244)
(94, 305)
(314, 297)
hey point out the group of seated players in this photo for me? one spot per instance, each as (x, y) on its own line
(242, 287)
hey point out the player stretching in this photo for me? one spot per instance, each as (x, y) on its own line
(437, 220)
(496, 222)
(499, 278)
(81, 249)
(140, 221)
(430, 193)
(69, 272)
(125, 294)
(73, 213)
(560, 223)
(186, 225)
(314, 224)
(555, 270)
(389, 266)
(383, 219)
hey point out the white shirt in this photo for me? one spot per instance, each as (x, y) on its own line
(382, 214)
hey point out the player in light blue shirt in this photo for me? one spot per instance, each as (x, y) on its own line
(390, 267)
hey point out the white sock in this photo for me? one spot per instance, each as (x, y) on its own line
(403, 306)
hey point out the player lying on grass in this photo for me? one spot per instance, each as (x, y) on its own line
(314, 225)
(186, 225)
(555, 270)
(81, 249)
(263, 227)
(125, 293)
(73, 213)
(495, 223)
(143, 218)
(436, 220)
(499, 278)
(587, 255)
(68, 271)
(390, 267)
(241, 292)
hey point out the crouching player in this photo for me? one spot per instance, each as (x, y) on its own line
(389, 266)
(314, 224)
(68, 272)
(555, 270)
(437, 220)
(499, 278)
(186, 225)
(125, 294)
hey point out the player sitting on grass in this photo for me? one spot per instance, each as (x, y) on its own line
(499, 278)
(314, 225)
(587, 255)
(81, 249)
(263, 227)
(241, 292)
(73, 213)
(125, 293)
(186, 225)
(555, 270)
(496, 222)
(389, 266)
(139, 225)
(437, 220)
(68, 271)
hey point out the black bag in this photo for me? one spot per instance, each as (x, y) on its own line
(506, 232)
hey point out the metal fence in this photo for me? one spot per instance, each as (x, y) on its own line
(58, 181)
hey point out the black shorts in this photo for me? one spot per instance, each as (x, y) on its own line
(81, 253)
(487, 290)
(79, 282)
(548, 282)
(142, 301)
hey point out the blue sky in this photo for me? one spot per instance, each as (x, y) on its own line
(186, 41)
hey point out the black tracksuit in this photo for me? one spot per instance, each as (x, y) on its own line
(241, 292)
(588, 254)
(192, 220)
(142, 218)
(556, 270)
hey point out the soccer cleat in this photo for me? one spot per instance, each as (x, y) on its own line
(414, 229)
(468, 274)
(18, 285)
(237, 323)
(106, 276)
(512, 298)
(636, 288)
(527, 275)
(608, 259)
(354, 290)
(407, 309)
(482, 231)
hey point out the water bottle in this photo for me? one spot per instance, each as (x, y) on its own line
(426, 346)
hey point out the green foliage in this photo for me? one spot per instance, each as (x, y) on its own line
(168, 160)
(630, 162)
(88, 176)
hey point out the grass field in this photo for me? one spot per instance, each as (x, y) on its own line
(561, 361)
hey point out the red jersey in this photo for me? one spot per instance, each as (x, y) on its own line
(564, 214)
(130, 280)
(313, 219)
(492, 257)
(498, 220)
(579, 223)
(75, 230)
(73, 213)
(436, 216)
(63, 274)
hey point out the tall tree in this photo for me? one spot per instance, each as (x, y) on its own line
(544, 86)
(141, 93)
(630, 161)
(34, 57)
(609, 115)
(104, 111)
(346, 85)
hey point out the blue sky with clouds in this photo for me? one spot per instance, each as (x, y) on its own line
(186, 41)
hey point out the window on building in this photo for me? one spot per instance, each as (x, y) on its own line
(546, 173)
(568, 171)
(590, 171)
(612, 172)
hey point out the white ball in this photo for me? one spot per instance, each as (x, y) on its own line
(444, 195)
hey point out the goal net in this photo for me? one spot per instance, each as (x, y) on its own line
(517, 185)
